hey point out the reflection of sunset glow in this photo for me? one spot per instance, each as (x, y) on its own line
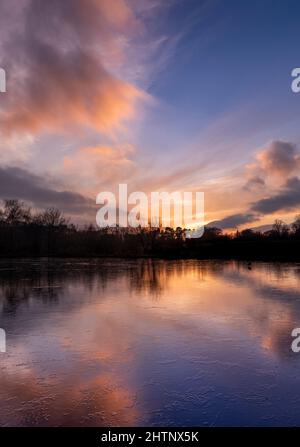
(83, 340)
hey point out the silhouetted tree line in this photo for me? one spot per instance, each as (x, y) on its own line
(48, 233)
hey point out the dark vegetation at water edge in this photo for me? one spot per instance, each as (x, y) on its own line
(24, 233)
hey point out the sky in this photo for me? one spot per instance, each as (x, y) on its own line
(164, 95)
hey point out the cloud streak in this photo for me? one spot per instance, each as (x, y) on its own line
(22, 184)
(101, 166)
(285, 200)
(234, 221)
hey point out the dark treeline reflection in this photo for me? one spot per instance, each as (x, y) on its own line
(48, 233)
(48, 279)
(113, 342)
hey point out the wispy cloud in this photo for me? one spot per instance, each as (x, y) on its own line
(98, 167)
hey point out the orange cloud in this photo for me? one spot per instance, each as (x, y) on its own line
(64, 100)
(60, 76)
(99, 165)
(276, 161)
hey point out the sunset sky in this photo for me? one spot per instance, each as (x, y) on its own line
(163, 95)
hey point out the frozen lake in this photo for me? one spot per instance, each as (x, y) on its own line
(141, 342)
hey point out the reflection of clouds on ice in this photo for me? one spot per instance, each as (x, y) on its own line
(125, 343)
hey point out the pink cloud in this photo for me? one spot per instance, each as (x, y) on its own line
(59, 67)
